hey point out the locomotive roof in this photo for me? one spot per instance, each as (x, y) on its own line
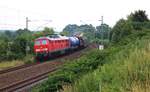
(58, 37)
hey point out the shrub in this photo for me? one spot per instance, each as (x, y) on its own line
(72, 71)
(127, 70)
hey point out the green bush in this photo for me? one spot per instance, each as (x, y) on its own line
(28, 59)
(127, 70)
(73, 70)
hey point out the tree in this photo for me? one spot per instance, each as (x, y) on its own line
(120, 30)
(139, 20)
(19, 46)
(71, 29)
(22, 31)
(103, 31)
(3, 51)
(66, 33)
(138, 16)
(47, 31)
(87, 30)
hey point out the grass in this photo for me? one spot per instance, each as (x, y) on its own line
(122, 67)
(71, 71)
(127, 71)
(12, 63)
(9, 64)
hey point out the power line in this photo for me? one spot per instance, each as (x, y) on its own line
(28, 20)
(11, 25)
(23, 11)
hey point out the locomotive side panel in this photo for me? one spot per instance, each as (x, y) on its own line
(46, 46)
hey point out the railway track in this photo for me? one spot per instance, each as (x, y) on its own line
(21, 76)
(28, 65)
(16, 68)
(26, 76)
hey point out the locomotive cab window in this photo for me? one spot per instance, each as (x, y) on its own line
(37, 42)
(44, 42)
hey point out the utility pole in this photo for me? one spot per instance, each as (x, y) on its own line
(27, 49)
(102, 29)
(102, 19)
(27, 23)
(101, 47)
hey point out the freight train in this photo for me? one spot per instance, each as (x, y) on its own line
(45, 47)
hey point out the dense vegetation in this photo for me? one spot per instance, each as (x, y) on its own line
(72, 71)
(18, 44)
(123, 66)
(127, 70)
(91, 33)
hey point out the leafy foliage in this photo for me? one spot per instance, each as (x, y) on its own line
(66, 33)
(14, 44)
(130, 61)
(120, 30)
(70, 29)
(89, 32)
(137, 21)
(46, 31)
(127, 70)
(138, 16)
(122, 67)
(103, 31)
(72, 71)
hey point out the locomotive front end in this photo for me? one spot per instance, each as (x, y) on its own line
(41, 48)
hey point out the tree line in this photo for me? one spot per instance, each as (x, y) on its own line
(127, 39)
(91, 33)
(136, 22)
(18, 44)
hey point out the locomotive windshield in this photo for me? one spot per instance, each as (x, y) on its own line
(41, 42)
(37, 42)
(44, 42)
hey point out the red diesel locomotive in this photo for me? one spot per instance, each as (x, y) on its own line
(44, 47)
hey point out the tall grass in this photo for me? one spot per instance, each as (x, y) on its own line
(71, 71)
(127, 71)
(12, 63)
(8, 64)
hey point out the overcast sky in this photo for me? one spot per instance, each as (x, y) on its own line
(59, 13)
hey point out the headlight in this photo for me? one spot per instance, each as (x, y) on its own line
(37, 50)
(45, 49)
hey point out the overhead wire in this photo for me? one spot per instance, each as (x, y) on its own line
(19, 19)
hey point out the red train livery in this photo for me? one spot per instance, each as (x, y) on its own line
(45, 44)
(45, 47)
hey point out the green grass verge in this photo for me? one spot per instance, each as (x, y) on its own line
(127, 71)
(9, 64)
(73, 70)
(12, 63)
(113, 73)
